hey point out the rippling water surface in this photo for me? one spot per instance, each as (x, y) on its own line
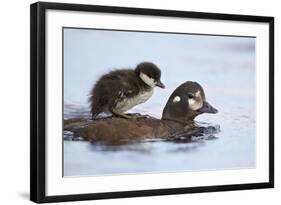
(224, 66)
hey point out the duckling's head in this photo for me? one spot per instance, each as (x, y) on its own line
(187, 102)
(150, 74)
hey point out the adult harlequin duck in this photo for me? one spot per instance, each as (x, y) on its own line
(185, 103)
(120, 90)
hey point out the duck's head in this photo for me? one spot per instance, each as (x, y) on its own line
(187, 102)
(150, 74)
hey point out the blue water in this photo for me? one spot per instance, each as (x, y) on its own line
(224, 66)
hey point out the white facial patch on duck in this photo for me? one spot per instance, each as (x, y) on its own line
(149, 81)
(129, 103)
(176, 99)
(196, 102)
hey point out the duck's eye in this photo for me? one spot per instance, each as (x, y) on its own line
(190, 96)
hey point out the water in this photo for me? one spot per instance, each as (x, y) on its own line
(224, 66)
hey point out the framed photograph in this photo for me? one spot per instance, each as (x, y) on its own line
(129, 102)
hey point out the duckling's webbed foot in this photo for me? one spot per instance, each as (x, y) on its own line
(134, 114)
(121, 115)
(138, 115)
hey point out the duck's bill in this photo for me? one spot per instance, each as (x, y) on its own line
(207, 108)
(160, 84)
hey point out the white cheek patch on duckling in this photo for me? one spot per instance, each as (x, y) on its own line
(176, 99)
(196, 104)
(149, 81)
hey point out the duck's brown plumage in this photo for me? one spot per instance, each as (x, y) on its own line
(116, 130)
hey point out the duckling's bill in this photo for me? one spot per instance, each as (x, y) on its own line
(160, 84)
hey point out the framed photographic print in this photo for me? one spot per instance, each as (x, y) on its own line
(129, 102)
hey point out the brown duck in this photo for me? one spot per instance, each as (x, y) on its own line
(185, 103)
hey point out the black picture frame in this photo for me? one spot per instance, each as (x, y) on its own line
(38, 101)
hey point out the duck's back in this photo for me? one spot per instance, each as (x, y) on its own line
(118, 130)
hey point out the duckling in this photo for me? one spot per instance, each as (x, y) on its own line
(120, 90)
(184, 104)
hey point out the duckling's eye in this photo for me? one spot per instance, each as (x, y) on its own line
(190, 95)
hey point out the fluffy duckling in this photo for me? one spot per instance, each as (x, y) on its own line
(120, 90)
